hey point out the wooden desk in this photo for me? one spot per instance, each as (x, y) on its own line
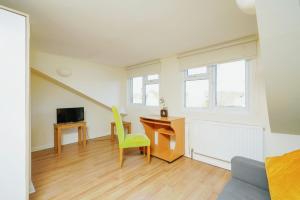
(167, 129)
(81, 126)
(126, 125)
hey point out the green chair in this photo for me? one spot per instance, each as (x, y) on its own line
(129, 140)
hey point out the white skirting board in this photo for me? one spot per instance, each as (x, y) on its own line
(212, 161)
(42, 147)
(31, 187)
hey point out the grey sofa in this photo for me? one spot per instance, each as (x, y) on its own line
(248, 182)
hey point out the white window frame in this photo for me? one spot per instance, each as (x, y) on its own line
(211, 75)
(145, 82)
(204, 76)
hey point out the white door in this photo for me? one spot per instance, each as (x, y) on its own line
(13, 106)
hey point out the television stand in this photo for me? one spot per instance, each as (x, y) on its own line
(81, 127)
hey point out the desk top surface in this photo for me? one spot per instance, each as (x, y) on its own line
(70, 123)
(159, 118)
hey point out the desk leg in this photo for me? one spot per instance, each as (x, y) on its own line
(59, 141)
(84, 136)
(129, 128)
(79, 135)
(55, 139)
(148, 154)
(112, 132)
(141, 150)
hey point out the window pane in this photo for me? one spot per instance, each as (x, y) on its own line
(137, 90)
(231, 84)
(197, 71)
(152, 94)
(197, 93)
(153, 77)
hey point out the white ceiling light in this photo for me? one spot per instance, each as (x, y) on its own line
(247, 6)
(64, 72)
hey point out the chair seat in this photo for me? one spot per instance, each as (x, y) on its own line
(135, 140)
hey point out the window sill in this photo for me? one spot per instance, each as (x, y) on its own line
(221, 110)
(142, 106)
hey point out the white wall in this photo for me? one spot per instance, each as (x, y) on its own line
(14, 104)
(102, 85)
(280, 143)
(46, 97)
(99, 82)
(171, 88)
(279, 32)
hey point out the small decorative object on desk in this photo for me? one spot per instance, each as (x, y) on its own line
(163, 108)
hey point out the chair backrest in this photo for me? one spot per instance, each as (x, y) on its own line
(119, 125)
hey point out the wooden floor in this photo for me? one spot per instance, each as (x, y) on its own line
(94, 173)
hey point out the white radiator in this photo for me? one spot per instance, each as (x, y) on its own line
(223, 141)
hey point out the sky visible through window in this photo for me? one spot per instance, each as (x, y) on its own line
(137, 90)
(152, 94)
(197, 93)
(196, 71)
(231, 84)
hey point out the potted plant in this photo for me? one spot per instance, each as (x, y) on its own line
(163, 107)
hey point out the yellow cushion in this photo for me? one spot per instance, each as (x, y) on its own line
(284, 176)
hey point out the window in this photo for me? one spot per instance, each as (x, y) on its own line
(231, 84)
(152, 77)
(197, 93)
(137, 90)
(197, 71)
(145, 90)
(197, 88)
(221, 85)
(152, 92)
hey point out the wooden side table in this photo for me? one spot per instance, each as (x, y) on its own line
(126, 125)
(81, 126)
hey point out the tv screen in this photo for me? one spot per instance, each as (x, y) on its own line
(65, 115)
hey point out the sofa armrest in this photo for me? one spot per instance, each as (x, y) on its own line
(250, 171)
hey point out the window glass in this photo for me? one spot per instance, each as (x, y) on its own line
(145, 90)
(152, 77)
(152, 94)
(197, 71)
(137, 90)
(231, 84)
(197, 93)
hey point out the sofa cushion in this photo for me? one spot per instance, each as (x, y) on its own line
(239, 190)
(284, 175)
(249, 171)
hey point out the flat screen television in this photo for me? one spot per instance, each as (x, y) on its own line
(65, 115)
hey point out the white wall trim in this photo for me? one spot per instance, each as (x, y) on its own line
(144, 64)
(42, 147)
(31, 187)
(212, 161)
(239, 41)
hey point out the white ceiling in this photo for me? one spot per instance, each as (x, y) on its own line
(126, 32)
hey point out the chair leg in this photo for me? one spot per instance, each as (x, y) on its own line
(141, 150)
(144, 149)
(121, 157)
(148, 153)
